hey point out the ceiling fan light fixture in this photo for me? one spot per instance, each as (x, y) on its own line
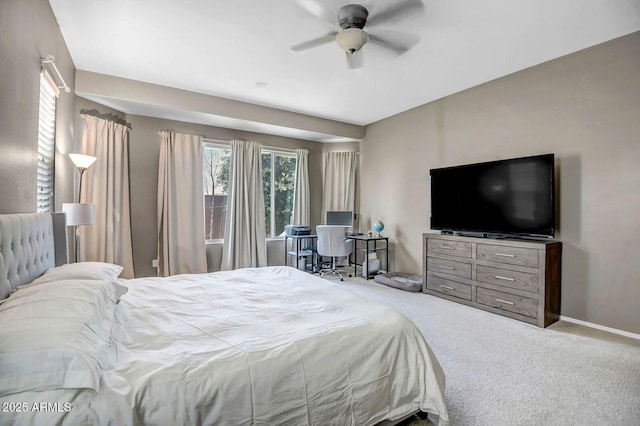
(352, 39)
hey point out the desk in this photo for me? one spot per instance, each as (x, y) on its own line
(368, 249)
(300, 250)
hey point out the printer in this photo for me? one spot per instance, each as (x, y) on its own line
(297, 229)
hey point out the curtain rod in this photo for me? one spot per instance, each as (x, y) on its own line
(211, 140)
(280, 150)
(105, 116)
(340, 152)
(51, 60)
(194, 134)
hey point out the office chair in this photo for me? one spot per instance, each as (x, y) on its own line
(333, 244)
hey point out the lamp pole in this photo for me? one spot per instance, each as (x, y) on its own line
(82, 170)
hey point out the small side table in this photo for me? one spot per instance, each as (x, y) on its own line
(368, 242)
(303, 247)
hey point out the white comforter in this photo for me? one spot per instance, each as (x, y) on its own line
(259, 346)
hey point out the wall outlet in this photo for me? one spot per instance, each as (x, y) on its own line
(154, 263)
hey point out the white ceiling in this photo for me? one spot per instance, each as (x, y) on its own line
(223, 48)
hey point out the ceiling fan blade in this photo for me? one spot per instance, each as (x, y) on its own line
(395, 41)
(318, 10)
(355, 60)
(309, 44)
(396, 12)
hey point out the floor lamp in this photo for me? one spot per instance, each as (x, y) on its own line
(79, 214)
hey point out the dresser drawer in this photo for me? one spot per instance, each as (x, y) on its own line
(509, 255)
(507, 278)
(509, 302)
(449, 267)
(449, 248)
(451, 288)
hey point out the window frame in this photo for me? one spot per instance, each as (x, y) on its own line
(273, 152)
(276, 152)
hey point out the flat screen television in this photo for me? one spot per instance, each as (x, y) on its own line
(514, 197)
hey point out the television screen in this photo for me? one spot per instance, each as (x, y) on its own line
(513, 197)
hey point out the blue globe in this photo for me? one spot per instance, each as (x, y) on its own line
(378, 226)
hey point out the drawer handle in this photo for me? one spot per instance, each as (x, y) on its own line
(499, 277)
(447, 287)
(505, 255)
(505, 301)
(447, 247)
(451, 268)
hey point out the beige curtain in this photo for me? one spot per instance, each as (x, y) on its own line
(106, 185)
(244, 234)
(301, 214)
(339, 182)
(181, 232)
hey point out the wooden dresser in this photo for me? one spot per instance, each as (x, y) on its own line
(512, 277)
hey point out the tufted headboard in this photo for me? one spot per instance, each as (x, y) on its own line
(30, 243)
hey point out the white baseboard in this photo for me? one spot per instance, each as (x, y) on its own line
(600, 327)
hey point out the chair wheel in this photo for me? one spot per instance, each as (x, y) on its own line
(341, 279)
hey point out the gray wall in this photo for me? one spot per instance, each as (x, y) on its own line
(585, 108)
(28, 31)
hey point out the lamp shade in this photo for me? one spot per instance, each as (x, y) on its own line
(78, 213)
(82, 161)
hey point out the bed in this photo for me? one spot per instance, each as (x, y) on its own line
(258, 346)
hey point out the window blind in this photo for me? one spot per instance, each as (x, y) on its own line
(46, 143)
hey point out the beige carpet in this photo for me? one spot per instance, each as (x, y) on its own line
(504, 372)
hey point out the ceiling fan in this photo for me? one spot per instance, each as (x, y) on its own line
(352, 19)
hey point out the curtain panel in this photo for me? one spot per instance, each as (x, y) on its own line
(181, 237)
(245, 229)
(339, 182)
(106, 185)
(301, 214)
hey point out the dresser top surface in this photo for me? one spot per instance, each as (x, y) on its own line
(518, 242)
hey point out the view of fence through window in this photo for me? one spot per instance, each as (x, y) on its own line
(278, 179)
(215, 167)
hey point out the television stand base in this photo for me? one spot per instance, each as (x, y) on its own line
(479, 234)
(471, 234)
(499, 236)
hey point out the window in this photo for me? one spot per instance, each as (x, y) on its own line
(215, 164)
(278, 179)
(46, 143)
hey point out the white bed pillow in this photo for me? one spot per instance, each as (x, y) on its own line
(81, 271)
(56, 335)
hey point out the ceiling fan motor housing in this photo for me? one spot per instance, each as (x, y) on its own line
(352, 16)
